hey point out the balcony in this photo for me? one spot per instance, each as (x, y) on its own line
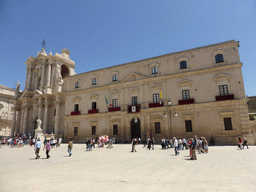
(224, 97)
(152, 105)
(187, 101)
(112, 109)
(130, 107)
(75, 113)
(93, 111)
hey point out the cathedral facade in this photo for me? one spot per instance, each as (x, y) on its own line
(193, 92)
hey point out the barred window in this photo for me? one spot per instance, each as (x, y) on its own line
(228, 123)
(77, 85)
(93, 130)
(185, 94)
(223, 89)
(188, 124)
(115, 129)
(75, 131)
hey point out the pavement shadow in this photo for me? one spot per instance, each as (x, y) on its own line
(33, 159)
(66, 156)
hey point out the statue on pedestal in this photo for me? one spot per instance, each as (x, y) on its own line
(39, 123)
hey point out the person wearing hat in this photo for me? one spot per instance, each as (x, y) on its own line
(37, 148)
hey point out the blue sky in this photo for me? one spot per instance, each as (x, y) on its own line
(105, 33)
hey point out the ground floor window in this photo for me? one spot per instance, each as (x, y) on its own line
(93, 130)
(157, 127)
(188, 124)
(75, 131)
(115, 129)
(228, 123)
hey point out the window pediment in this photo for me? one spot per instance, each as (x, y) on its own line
(134, 77)
(134, 89)
(218, 51)
(226, 114)
(94, 96)
(77, 99)
(185, 83)
(115, 92)
(183, 58)
(222, 77)
(156, 86)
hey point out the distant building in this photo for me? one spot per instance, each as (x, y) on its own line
(252, 107)
(6, 96)
(198, 91)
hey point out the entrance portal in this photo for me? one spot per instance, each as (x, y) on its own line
(135, 128)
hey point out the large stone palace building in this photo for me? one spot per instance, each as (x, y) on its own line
(198, 91)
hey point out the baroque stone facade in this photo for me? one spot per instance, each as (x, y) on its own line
(194, 92)
(6, 112)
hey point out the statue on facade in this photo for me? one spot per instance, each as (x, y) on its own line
(39, 123)
(18, 86)
(58, 76)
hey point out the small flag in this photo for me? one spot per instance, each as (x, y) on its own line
(108, 104)
(161, 96)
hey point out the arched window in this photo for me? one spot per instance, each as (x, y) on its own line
(64, 71)
(183, 65)
(77, 84)
(219, 58)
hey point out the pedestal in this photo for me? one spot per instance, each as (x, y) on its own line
(39, 134)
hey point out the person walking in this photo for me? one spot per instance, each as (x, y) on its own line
(37, 148)
(240, 142)
(153, 143)
(45, 142)
(200, 143)
(205, 145)
(133, 145)
(175, 144)
(70, 146)
(193, 149)
(48, 148)
(245, 143)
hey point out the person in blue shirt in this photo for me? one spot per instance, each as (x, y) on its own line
(37, 148)
(193, 149)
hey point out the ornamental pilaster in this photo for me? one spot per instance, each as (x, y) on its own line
(45, 123)
(57, 117)
(43, 76)
(13, 120)
(25, 106)
(40, 108)
(29, 77)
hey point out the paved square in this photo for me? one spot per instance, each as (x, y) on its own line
(117, 169)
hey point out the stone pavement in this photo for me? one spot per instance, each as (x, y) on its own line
(222, 169)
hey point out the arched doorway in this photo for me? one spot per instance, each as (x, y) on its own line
(64, 71)
(135, 128)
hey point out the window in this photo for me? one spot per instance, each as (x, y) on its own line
(77, 85)
(223, 90)
(134, 100)
(94, 105)
(154, 70)
(156, 98)
(115, 129)
(185, 94)
(188, 124)
(114, 77)
(76, 107)
(114, 103)
(157, 127)
(93, 130)
(228, 123)
(219, 58)
(183, 65)
(94, 81)
(75, 131)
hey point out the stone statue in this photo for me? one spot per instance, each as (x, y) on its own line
(58, 77)
(18, 86)
(39, 123)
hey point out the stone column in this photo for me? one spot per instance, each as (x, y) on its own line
(45, 123)
(26, 80)
(29, 78)
(36, 82)
(40, 109)
(25, 120)
(21, 119)
(42, 77)
(57, 117)
(52, 78)
(17, 126)
(48, 78)
(13, 121)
